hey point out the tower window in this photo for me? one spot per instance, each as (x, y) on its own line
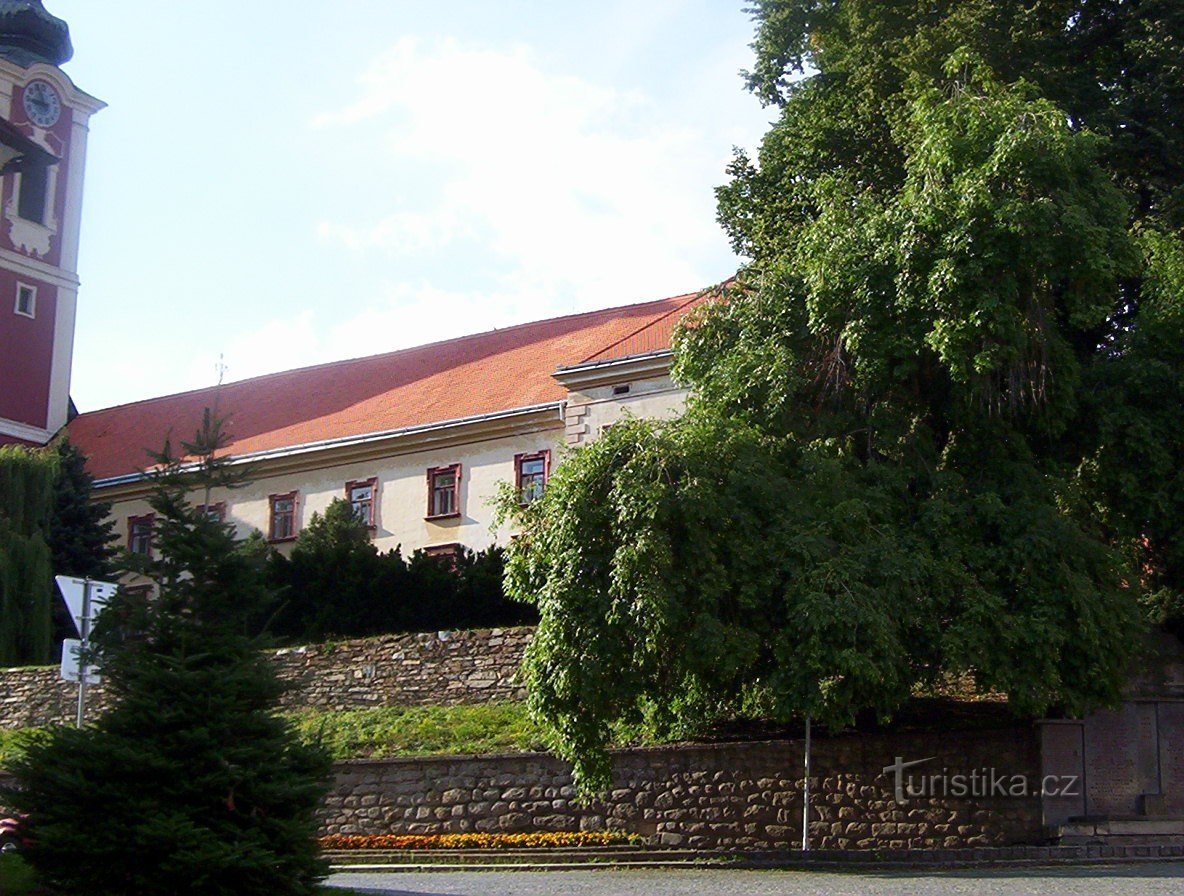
(26, 300)
(33, 188)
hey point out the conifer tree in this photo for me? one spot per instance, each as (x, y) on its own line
(80, 533)
(26, 578)
(191, 783)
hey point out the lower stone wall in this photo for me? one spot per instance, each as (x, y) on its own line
(739, 795)
(717, 796)
(393, 670)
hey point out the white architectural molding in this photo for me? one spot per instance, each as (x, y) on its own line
(371, 446)
(23, 431)
(620, 370)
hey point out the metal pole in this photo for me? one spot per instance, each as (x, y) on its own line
(82, 667)
(806, 794)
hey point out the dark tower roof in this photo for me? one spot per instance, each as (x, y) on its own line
(29, 34)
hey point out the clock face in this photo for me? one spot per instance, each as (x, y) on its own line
(42, 104)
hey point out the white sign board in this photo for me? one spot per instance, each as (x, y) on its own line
(73, 591)
(71, 665)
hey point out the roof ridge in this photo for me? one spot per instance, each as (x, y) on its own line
(689, 297)
(343, 361)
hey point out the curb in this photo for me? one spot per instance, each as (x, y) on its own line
(829, 860)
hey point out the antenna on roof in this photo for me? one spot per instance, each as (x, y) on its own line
(221, 369)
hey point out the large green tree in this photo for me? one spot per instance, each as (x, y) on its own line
(192, 782)
(935, 423)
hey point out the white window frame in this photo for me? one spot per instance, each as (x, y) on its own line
(32, 292)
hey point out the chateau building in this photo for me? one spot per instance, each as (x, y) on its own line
(43, 132)
(419, 440)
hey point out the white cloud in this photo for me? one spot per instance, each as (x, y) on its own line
(519, 193)
(584, 192)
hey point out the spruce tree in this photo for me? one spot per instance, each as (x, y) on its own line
(80, 533)
(191, 783)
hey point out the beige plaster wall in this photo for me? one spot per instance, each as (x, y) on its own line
(402, 477)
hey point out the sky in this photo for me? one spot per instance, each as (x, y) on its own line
(278, 183)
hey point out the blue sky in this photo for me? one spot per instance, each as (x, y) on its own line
(282, 182)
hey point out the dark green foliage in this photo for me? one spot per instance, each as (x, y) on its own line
(26, 570)
(935, 424)
(337, 584)
(80, 535)
(191, 783)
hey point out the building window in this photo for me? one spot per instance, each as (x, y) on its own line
(215, 512)
(361, 494)
(443, 491)
(139, 534)
(531, 472)
(448, 552)
(26, 300)
(281, 524)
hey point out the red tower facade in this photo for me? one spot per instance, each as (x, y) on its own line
(43, 131)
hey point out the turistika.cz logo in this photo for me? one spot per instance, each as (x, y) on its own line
(977, 783)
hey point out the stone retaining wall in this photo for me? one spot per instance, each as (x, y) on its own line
(393, 670)
(35, 697)
(443, 668)
(717, 796)
(739, 795)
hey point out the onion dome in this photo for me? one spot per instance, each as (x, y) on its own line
(29, 34)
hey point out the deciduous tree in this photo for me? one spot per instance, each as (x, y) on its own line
(934, 425)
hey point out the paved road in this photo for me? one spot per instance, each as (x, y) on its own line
(1119, 880)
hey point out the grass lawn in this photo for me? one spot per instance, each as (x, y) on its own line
(16, 878)
(421, 730)
(388, 731)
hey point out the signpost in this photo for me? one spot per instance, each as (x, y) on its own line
(85, 599)
(806, 793)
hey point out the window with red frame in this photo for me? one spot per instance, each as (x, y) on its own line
(282, 520)
(447, 552)
(215, 512)
(531, 472)
(139, 534)
(361, 495)
(444, 491)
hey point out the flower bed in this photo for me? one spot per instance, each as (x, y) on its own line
(537, 840)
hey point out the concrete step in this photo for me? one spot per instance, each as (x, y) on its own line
(1121, 831)
(642, 857)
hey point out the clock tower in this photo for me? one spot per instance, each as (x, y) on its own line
(43, 130)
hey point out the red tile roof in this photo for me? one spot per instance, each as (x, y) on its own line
(482, 374)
